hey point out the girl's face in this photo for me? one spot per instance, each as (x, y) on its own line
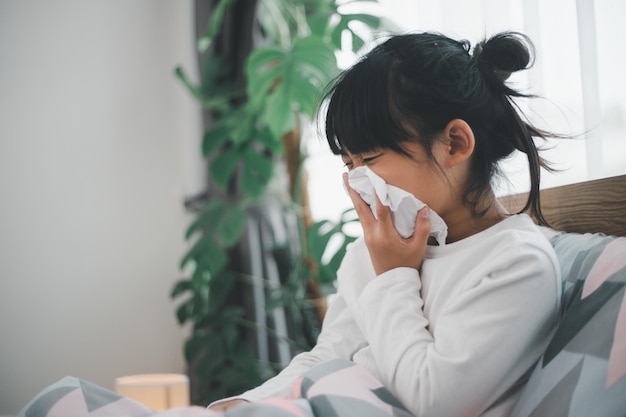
(416, 175)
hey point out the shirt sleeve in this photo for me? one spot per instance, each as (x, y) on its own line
(486, 338)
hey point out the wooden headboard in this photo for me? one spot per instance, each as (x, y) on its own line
(585, 207)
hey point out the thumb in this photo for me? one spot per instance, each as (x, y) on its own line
(422, 224)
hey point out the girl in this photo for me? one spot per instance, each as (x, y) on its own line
(449, 329)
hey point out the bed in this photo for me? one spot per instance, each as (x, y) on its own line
(597, 206)
(582, 372)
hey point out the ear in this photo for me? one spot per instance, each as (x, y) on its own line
(459, 139)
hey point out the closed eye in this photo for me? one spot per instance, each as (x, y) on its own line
(370, 158)
(349, 163)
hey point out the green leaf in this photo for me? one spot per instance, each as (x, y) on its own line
(272, 143)
(210, 93)
(193, 89)
(214, 138)
(231, 225)
(314, 61)
(202, 345)
(319, 236)
(335, 261)
(209, 251)
(219, 218)
(319, 22)
(231, 336)
(293, 80)
(257, 171)
(242, 123)
(193, 253)
(179, 288)
(184, 312)
(279, 112)
(223, 166)
(317, 240)
(216, 256)
(373, 22)
(263, 70)
(212, 357)
(215, 24)
(219, 291)
(204, 220)
(281, 20)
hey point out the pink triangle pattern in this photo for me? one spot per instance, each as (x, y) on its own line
(609, 261)
(617, 357)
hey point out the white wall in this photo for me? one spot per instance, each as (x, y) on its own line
(96, 138)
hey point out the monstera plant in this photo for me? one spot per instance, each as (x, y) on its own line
(256, 128)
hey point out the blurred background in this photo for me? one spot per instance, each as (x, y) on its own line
(99, 148)
(97, 151)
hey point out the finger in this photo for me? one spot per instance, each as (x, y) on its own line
(383, 212)
(363, 209)
(227, 404)
(422, 224)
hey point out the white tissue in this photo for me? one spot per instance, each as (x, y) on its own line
(403, 205)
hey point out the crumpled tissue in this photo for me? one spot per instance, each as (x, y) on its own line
(403, 205)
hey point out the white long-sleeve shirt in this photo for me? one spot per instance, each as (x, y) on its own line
(453, 339)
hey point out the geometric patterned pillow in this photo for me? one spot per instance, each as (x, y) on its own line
(333, 388)
(73, 397)
(583, 370)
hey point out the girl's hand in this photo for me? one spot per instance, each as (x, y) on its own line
(226, 405)
(387, 249)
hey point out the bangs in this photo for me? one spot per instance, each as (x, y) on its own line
(361, 115)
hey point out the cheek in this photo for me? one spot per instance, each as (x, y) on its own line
(417, 183)
(390, 176)
(407, 181)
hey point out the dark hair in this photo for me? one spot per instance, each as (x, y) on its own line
(410, 87)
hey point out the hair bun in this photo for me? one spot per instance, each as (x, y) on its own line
(503, 54)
